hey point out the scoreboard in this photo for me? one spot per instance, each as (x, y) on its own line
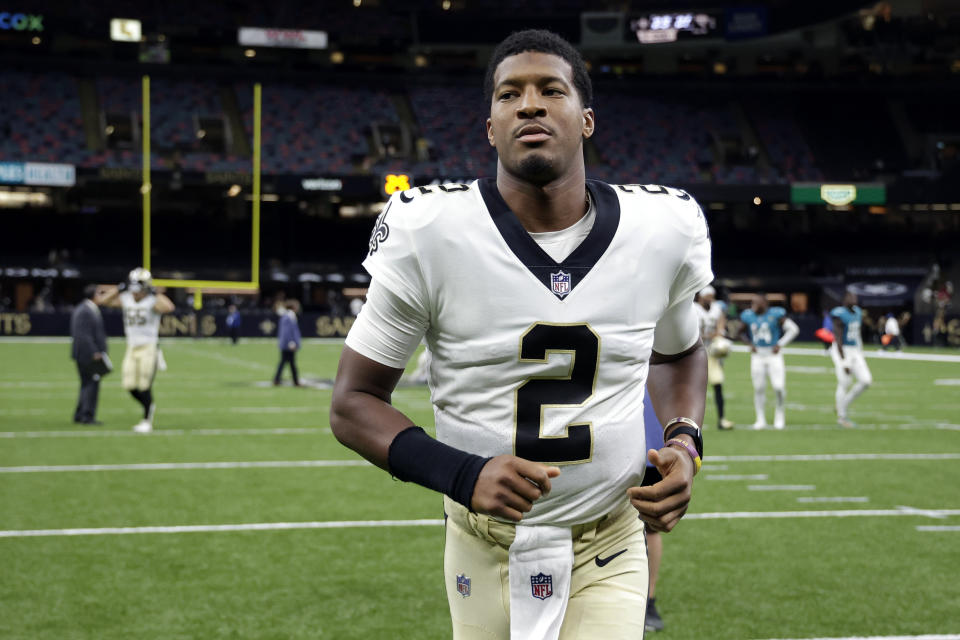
(651, 28)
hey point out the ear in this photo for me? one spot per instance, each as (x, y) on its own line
(588, 122)
(490, 132)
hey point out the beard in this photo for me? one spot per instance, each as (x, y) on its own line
(537, 169)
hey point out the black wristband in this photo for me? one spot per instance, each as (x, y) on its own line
(416, 457)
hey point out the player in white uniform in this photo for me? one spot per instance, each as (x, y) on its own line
(713, 327)
(142, 307)
(767, 330)
(546, 301)
(847, 355)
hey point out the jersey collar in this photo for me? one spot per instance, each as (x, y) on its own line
(560, 278)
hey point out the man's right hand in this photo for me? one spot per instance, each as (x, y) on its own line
(98, 356)
(508, 486)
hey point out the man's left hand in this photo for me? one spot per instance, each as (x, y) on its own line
(661, 505)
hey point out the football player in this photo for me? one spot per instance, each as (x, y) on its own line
(767, 330)
(546, 301)
(713, 328)
(142, 307)
(847, 354)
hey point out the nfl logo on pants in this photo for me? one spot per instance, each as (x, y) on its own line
(541, 585)
(463, 585)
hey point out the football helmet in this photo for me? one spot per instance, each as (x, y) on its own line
(139, 280)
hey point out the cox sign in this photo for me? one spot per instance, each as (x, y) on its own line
(20, 22)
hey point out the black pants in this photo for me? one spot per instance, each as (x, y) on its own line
(86, 410)
(234, 334)
(287, 356)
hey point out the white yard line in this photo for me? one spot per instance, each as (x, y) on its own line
(883, 355)
(759, 476)
(217, 528)
(350, 524)
(939, 528)
(178, 466)
(835, 457)
(126, 433)
(782, 487)
(810, 499)
(844, 513)
(950, 636)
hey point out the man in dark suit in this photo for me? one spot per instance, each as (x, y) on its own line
(90, 351)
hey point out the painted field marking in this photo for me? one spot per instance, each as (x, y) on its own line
(947, 382)
(884, 355)
(809, 499)
(90, 433)
(817, 370)
(939, 528)
(951, 636)
(714, 467)
(179, 466)
(319, 408)
(212, 528)
(782, 487)
(844, 513)
(834, 457)
(349, 524)
(759, 476)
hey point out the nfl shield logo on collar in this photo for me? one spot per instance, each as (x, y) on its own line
(463, 585)
(560, 283)
(541, 586)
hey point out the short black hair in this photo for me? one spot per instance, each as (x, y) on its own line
(90, 291)
(541, 41)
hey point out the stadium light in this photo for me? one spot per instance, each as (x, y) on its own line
(36, 40)
(250, 53)
(125, 30)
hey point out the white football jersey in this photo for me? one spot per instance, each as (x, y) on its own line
(709, 319)
(141, 323)
(535, 358)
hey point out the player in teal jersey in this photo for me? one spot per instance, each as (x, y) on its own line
(847, 354)
(767, 330)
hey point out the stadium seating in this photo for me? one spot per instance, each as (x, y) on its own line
(41, 118)
(315, 129)
(780, 136)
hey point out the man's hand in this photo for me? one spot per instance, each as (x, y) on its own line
(753, 348)
(292, 346)
(98, 356)
(776, 348)
(508, 486)
(663, 504)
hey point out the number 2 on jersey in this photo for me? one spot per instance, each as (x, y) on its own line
(540, 393)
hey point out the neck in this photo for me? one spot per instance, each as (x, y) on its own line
(550, 207)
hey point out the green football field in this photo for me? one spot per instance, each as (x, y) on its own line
(242, 517)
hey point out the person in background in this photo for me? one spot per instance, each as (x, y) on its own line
(288, 339)
(713, 326)
(89, 350)
(233, 323)
(847, 354)
(142, 307)
(651, 424)
(891, 334)
(767, 330)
